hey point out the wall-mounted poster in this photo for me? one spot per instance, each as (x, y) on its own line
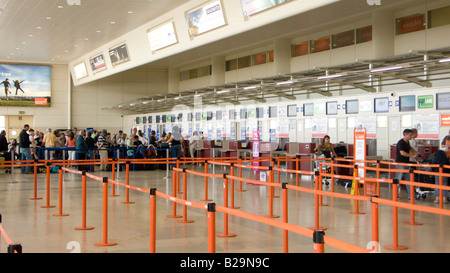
(162, 36)
(119, 54)
(208, 17)
(25, 85)
(250, 7)
(97, 63)
(80, 70)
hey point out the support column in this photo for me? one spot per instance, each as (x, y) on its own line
(383, 34)
(282, 57)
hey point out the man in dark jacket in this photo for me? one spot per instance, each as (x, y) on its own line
(3, 142)
(24, 144)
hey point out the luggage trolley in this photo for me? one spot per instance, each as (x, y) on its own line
(325, 169)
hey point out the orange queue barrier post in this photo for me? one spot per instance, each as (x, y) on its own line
(60, 195)
(375, 222)
(35, 181)
(320, 186)
(225, 204)
(412, 191)
(83, 204)
(317, 181)
(211, 228)
(153, 220)
(184, 220)
(47, 190)
(284, 194)
(206, 183)
(174, 195)
(127, 181)
(240, 175)
(271, 191)
(114, 163)
(395, 245)
(232, 188)
(105, 241)
(272, 162)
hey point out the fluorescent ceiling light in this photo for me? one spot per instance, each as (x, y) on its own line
(223, 91)
(249, 87)
(286, 82)
(444, 60)
(329, 77)
(386, 69)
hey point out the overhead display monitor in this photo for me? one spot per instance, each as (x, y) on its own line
(351, 107)
(308, 109)
(162, 36)
(232, 114)
(97, 63)
(243, 113)
(205, 18)
(250, 7)
(219, 115)
(332, 108)
(158, 119)
(292, 110)
(443, 101)
(273, 111)
(407, 103)
(259, 112)
(381, 105)
(25, 85)
(150, 119)
(119, 54)
(80, 71)
(189, 116)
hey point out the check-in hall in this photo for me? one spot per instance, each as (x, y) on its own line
(228, 127)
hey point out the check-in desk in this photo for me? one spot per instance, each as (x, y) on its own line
(302, 151)
(424, 150)
(265, 150)
(205, 148)
(230, 148)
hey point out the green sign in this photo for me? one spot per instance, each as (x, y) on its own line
(425, 101)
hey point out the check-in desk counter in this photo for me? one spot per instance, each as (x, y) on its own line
(230, 148)
(424, 150)
(266, 149)
(302, 151)
(205, 148)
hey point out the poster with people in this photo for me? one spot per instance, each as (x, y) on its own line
(119, 54)
(25, 85)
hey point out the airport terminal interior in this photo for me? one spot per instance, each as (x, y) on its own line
(287, 122)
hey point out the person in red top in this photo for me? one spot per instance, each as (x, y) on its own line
(71, 143)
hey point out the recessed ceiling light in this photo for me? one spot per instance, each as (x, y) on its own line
(60, 7)
(86, 39)
(48, 18)
(98, 31)
(130, 12)
(30, 35)
(112, 22)
(38, 27)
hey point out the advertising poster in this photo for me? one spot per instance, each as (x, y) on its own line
(119, 54)
(251, 7)
(162, 36)
(97, 63)
(25, 85)
(204, 19)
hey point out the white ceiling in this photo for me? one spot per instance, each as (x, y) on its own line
(43, 31)
(52, 31)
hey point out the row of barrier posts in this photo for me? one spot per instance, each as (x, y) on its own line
(318, 192)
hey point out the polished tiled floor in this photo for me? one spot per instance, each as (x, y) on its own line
(38, 231)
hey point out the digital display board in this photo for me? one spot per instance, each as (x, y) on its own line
(80, 71)
(308, 109)
(250, 7)
(351, 107)
(97, 63)
(407, 103)
(119, 54)
(381, 105)
(443, 101)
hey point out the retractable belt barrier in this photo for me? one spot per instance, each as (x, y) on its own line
(316, 232)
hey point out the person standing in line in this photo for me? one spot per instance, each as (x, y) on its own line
(81, 146)
(193, 143)
(49, 141)
(24, 144)
(102, 149)
(3, 142)
(71, 143)
(403, 154)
